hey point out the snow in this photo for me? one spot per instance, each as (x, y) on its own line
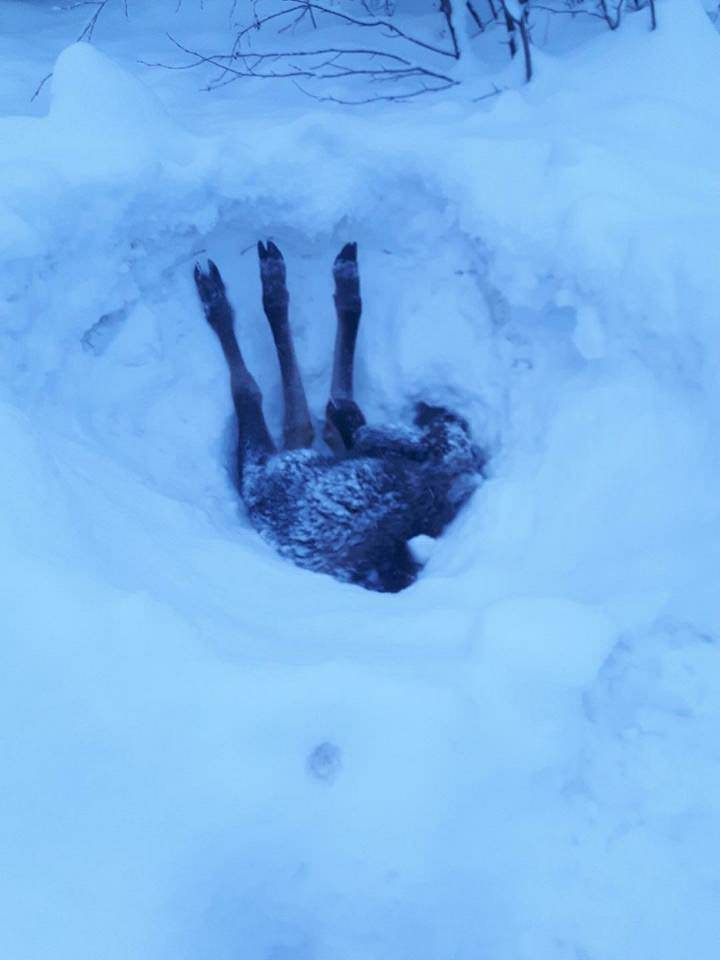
(209, 753)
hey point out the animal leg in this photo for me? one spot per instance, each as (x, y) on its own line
(342, 415)
(253, 435)
(297, 426)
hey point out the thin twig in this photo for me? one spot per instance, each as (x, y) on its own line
(310, 5)
(613, 23)
(89, 29)
(521, 24)
(574, 12)
(279, 66)
(496, 91)
(386, 98)
(40, 86)
(475, 15)
(510, 27)
(447, 12)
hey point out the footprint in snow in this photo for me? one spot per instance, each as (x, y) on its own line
(324, 762)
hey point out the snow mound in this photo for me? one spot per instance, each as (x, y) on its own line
(209, 753)
(119, 128)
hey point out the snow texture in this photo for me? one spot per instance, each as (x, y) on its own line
(208, 753)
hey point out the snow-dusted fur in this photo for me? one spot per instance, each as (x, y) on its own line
(352, 517)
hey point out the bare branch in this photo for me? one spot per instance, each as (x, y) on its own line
(525, 37)
(327, 65)
(311, 5)
(475, 15)
(520, 24)
(569, 12)
(510, 27)
(40, 87)
(386, 98)
(612, 21)
(495, 92)
(89, 29)
(447, 12)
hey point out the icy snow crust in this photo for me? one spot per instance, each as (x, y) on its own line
(209, 753)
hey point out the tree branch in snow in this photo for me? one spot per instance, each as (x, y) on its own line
(385, 97)
(610, 11)
(89, 29)
(525, 37)
(510, 27)
(477, 19)
(613, 21)
(405, 67)
(322, 64)
(40, 86)
(303, 8)
(447, 12)
(571, 11)
(495, 92)
(516, 20)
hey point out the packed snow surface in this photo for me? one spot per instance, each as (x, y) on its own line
(207, 753)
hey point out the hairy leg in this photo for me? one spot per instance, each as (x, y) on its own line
(253, 436)
(297, 427)
(342, 415)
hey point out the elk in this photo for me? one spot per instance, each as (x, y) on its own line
(351, 510)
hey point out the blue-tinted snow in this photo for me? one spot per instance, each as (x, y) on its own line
(526, 761)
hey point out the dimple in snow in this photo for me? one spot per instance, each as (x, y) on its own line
(350, 513)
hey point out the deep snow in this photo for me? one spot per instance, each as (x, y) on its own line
(523, 747)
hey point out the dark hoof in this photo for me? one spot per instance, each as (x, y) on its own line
(271, 252)
(273, 276)
(348, 253)
(211, 290)
(345, 418)
(209, 284)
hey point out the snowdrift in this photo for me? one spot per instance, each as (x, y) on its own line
(523, 746)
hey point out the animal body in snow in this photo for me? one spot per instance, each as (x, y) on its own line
(349, 513)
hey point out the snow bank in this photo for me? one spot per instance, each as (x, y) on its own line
(523, 751)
